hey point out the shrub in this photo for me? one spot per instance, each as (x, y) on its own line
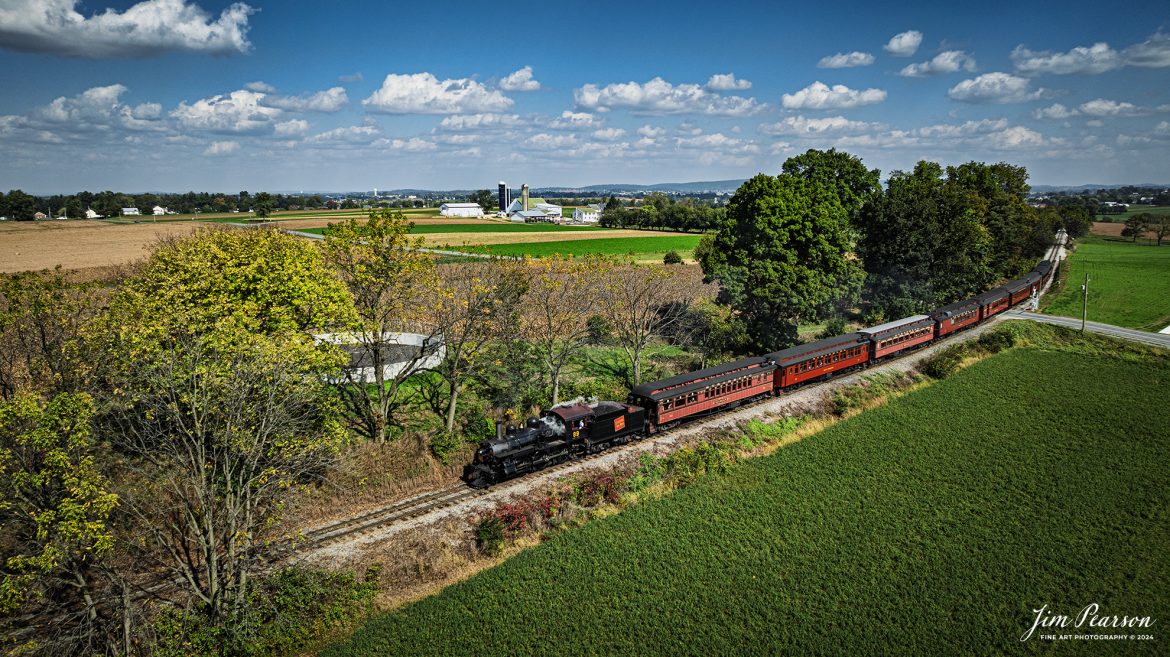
(672, 258)
(834, 327)
(444, 444)
(490, 535)
(289, 612)
(944, 363)
(599, 329)
(997, 341)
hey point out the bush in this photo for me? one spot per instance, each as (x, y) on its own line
(997, 341)
(672, 258)
(490, 535)
(944, 363)
(835, 326)
(290, 612)
(444, 444)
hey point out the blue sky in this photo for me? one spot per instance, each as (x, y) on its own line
(172, 95)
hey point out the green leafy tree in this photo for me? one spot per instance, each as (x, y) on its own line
(845, 174)
(41, 314)
(781, 257)
(475, 306)
(55, 522)
(262, 205)
(20, 206)
(485, 198)
(924, 244)
(391, 283)
(1160, 226)
(1136, 226)
(999, 192)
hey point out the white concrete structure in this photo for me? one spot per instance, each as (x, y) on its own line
(409, 353)
(128, 212)
(461, 210)
(588, 215)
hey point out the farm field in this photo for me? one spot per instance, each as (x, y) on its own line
(642, 245)
(28, 245)
(1129, 284)
(492, 227)
(890, 533)
(1132, 210)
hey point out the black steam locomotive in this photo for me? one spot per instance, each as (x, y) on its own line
(559, 434)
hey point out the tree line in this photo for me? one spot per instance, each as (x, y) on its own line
(658, 211)
(808, 244)
(18, 205)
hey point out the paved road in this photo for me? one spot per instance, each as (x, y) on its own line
(1134, 335)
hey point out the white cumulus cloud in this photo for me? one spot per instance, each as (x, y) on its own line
(651, 132)
(846, 60)
(412, 145)
(1093, 59)
(520, 81)
(330, 100)
(1055, 111)
(575, 121)
(944, 62)
(545, 141)
(482, 121)
(423, 93)
(995, 88)
(1103, 107)
(145, 29)
(661, 97)
(799, 125)
(609, 134)
(1154, 52)
(222, 148)
(819, 95)
(239, 111)
(727, 82)
(357, 134)
(904, 44)
(291, 128)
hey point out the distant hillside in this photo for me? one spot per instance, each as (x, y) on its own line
(1044, 189)
(726, 186)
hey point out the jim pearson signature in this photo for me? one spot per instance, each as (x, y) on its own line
(1090, 616)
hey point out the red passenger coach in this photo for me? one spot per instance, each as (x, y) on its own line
(1022, 288)
(816, 359)
(955, 317)
(994, 302)
(699, 393)
(890, 338)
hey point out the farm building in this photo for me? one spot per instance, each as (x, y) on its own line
(461, 210)
(90, 214)
(588, 215)
(533, 217)
(40, 216)
(408, 352)
(127, 212)
(535, 204)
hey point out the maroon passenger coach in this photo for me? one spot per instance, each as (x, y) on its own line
(700, 393)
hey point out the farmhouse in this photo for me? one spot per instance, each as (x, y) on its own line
(588, 215)
(461, 210)
(90, 214)
(40, 216)
(159, 210)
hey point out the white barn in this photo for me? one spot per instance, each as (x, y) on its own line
(408, 353)
(461, 210)
(127, 212)
(588, 215)
(90, 214)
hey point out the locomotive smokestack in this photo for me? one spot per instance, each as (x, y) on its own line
(499, 429)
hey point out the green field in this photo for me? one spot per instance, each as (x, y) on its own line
(430, 229)
(929, 526)
(1129, 284)
(1119, 218)
(641, 248)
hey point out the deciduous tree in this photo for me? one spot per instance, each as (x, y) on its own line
(562, 293)
(391, 283)
(641, 302)
(782, 256)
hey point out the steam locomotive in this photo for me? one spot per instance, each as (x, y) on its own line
(567, 431)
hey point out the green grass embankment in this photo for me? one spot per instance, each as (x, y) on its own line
(1129, 283)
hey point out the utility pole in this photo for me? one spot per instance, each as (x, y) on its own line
(1084, 302)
